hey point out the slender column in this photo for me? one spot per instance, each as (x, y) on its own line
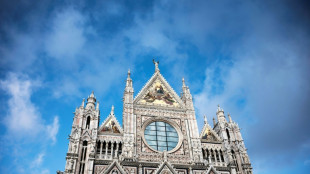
(210, 158)
(219, 152)
(101, 143)
(215, 158)
(116, 151)
(106, 150)
(112, 150)
(140, 169)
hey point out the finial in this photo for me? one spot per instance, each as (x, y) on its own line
(92, 95)
(128, 73)
(97, 107)
(214, 121)
(156, 65)
(112, 110)
(183, 82)
(83, 102)
(206, 120)
(229, 117)
(219, 108)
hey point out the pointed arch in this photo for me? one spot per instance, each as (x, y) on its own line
(228, 135)
(87, 122)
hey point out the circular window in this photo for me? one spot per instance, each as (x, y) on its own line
(161, 136)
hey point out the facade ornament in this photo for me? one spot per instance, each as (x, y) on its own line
(156, 65)
(97, 106)
(83, 103)
(229, 117)
(205, 119)
(214, 123)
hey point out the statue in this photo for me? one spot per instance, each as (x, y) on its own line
(156, 65)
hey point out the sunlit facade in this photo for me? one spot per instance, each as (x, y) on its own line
(159, 135)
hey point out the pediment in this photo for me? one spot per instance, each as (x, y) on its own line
(86, 135)
(209, 135)
(211, 170)
(158, 92)
(115, 168)
(110, 126)
(165, 168)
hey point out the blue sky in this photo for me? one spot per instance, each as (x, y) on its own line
(251, 57)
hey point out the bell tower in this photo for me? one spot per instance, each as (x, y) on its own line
(236, 153)
(82, 140)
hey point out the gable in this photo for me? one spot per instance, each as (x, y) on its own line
(110, 126)
(208, 134)
(165, 168)
(211, 170)
(114, 168)
(158, 92)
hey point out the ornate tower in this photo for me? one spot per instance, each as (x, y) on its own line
(129, 120)
(82, 140)
(236, 153)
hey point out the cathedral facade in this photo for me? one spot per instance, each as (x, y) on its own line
(159, 135)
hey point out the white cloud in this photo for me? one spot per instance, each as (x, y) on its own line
(23, 119)
(266, 90)
(52, 130)
(38, 160)
(66, 38)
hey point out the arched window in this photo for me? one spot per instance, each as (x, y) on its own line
(235, 160)
(203, 154)
(222, 157)
(83, 157)
(228, 136)
(88, 122)
(120, 148)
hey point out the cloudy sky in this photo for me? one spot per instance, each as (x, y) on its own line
(251, 57)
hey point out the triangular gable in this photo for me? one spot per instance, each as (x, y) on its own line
(164, 167)
(111, 125)
(114, 166)
(86, 135)
(211, 170)
(208, 134)
(157, 91)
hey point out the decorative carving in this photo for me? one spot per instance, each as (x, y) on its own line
(100, 169)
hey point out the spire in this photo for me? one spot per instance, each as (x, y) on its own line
(112, 110)
(214, 123)
(206, 120)
(83, 103)
(186, 95)
(183, 83)
(229, 117)
(156, 65)
(91, 100)
(128, 81)
(220, 114)
(97, 107)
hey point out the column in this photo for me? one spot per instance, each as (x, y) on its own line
(215, 158)
(106, 150)
(219, 152)
(116, 151)
(101, 143)
(112, 144)
(210, 158)
(140, 169)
